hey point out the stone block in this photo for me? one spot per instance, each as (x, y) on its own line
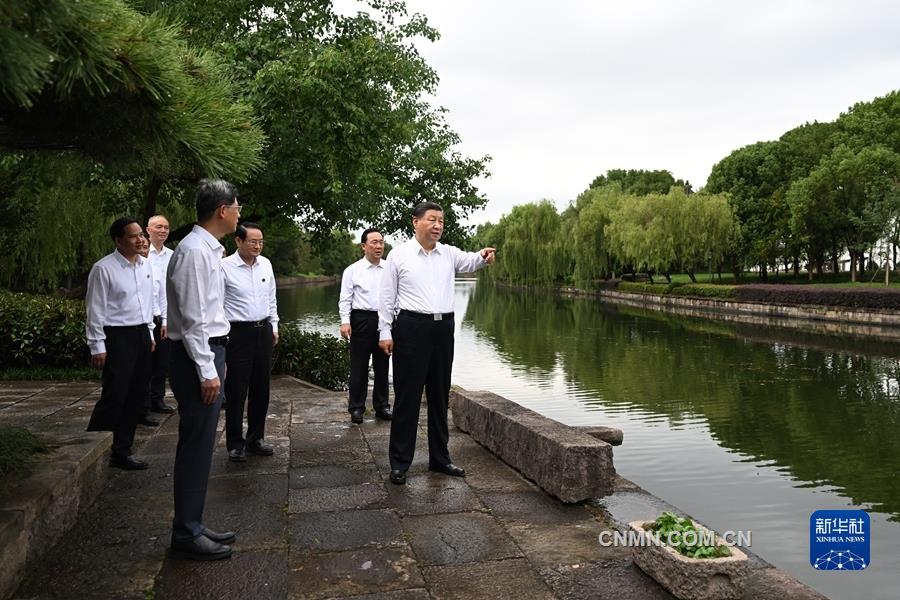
(563, 461)
(691, 578)
(610, 435)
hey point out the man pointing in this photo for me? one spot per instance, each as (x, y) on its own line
(416, 326)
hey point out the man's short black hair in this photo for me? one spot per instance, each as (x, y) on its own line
(365, 234)
(117, 229)
(241, 231)
(423, 207)
(211, 194)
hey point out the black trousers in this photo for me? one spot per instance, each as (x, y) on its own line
(162, 356)
(196, 439)
(423, 359)
(249, 361)
(126, 376)
(363, 344)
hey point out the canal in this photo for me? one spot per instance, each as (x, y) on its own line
(746, 428)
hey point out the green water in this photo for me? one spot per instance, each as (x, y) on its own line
(744, 427)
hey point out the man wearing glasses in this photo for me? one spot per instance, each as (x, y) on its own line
(252, 311)
(195, 290)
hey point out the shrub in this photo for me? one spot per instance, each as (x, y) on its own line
(320, 359)
(647, 288)
(863, 297)
(705, 290)
(17, 449)
(41, 331)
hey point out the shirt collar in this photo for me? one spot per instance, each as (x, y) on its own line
(369, 265)
(421, 250)
(165, 250)
(123, 262)
(207, 237)
(236, 260)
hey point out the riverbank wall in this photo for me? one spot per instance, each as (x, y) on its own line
(857, 322)
(290, 282)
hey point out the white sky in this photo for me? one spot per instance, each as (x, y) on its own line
(560, 92)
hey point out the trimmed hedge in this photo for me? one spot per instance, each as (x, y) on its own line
(41, 331)
(647, 288)
(320, 359)
(43, 336)
(705, 290)
(862, 297)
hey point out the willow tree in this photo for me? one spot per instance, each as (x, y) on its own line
(592, 256)
(530, 240)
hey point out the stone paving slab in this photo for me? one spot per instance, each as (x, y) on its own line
(320, 520)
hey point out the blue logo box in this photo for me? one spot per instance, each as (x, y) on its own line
(839, 540)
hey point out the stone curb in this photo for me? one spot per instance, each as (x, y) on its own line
(564, 461)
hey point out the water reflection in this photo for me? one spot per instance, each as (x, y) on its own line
(823, 415)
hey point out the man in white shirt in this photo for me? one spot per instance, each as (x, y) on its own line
(416, 327)
(158, 230)
(252, 311)
(119, 331)
(358, 308)
(144, 252)
(195, 290)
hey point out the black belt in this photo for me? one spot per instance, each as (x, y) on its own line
(125, 327)
(364, 312)
(222, 340)
(261, 323)
(427, 316)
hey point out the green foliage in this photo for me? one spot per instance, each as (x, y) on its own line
(351, 139)
(320, 359)
(683, 536)
(17, 449)
(122, 87)
(41, 331)
(705, 290)
(640, 182)
(636, 287)
(50, 374)
(532, 245)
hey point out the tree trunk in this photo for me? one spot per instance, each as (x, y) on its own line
(691, 275)
(763, 272)
(852, 266)
(796, 266)
(668, 278)
(153, 186)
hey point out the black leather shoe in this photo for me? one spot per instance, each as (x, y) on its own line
(449, 469)
(226, 537)
(384, 414)
(164, 409)
(260, 449)
(356, 416)
(145, 420)
(237, 455)
(199, 548)
(128, 463)
(398, 476)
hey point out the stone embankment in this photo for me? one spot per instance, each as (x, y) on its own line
(320, 520)
(872, 323)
